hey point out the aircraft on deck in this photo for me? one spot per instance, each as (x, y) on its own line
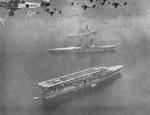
(14, 5)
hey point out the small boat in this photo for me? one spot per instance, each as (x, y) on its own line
(36, 98)
(93, 49)
(79, 80)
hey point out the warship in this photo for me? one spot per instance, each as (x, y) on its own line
(84, 47)
(76, 81)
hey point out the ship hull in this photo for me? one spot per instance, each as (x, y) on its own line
(80, 93)
(93, 49)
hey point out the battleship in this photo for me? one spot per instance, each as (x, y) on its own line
(84, 47)
(76, 81)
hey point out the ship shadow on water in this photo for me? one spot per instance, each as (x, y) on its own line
(55, 103)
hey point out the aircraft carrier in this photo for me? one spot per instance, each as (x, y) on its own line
(79, 80)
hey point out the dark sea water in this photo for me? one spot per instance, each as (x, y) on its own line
(25, 61)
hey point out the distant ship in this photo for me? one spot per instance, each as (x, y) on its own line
(79, 80)
(82, 47)
(92, 49)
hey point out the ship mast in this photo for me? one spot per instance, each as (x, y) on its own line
(86, 41)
